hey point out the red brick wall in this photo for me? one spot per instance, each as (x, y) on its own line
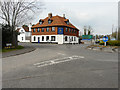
(55, 33)
(71, 33)
(45, 33)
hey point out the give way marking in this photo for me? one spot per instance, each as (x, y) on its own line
(56, 61)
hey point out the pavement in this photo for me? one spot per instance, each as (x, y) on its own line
(26, 49)
(60, 66)
(109, 49)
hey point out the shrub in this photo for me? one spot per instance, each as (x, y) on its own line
(114, 43)
(101, 43)
(111, 43)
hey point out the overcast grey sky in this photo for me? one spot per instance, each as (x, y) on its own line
(99, 15)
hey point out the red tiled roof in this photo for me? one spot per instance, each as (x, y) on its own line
(26, 28)
(18, 29)
(56, 21)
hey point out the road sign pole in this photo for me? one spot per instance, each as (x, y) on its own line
(105, 43)
(105, 39)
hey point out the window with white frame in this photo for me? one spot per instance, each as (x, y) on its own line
(38, 30)
(34, 38)
(21, 31)
(42, 38)
(49, 21)
(66, 29)
(66, 38)
(74, 38)
(53, 29)
(52, 38)
(42, 30)
(72, 30)
(22, 38)
(69, 30)
(67, 22)
(47, 30)
(34, 30)
(47, 38)
(40, 22)
(75, 31)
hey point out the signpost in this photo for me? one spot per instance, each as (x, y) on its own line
(60, 30)
(105, 39)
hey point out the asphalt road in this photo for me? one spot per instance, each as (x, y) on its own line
(61, 66)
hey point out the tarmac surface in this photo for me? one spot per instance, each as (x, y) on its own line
(60, 66)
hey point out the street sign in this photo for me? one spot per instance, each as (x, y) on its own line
(60, 30)
(8, 44)
(87, 37)
(105, 39)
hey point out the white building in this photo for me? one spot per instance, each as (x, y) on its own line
(24, 33)
(54, 29)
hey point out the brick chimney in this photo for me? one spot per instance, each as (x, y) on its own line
(64, 15)
(50, 15)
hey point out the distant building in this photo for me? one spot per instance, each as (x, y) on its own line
(24, 33)
(54, 29)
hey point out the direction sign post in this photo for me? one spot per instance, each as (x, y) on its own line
(105, 39)
(105, 44)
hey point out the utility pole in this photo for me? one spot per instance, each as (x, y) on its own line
(112, 29)
(116, 33)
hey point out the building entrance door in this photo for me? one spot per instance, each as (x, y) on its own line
(38, 39)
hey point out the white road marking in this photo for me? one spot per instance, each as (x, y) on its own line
(56, 61)
(61, 53)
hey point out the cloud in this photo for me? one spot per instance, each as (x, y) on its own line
(99, 15)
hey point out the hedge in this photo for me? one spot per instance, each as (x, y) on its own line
(111, 43)
(114, 43)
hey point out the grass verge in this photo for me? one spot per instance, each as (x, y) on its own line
(12, 49)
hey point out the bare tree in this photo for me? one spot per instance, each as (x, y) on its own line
(85, 30)
(15, 13)
(89, 30)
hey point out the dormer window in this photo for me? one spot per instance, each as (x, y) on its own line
(67, 22)
(40, 22)
(49, 21)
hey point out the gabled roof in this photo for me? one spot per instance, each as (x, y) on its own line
(18, 29)
(56, 21)
(26, 28)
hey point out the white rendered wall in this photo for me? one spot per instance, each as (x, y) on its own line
(24, 35)
(40, 37)
(28, 34)
(60, 39)
(69, 39)
(20, 37)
